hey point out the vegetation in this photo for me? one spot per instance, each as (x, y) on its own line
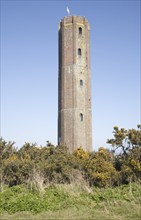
(54, 181)
(67, 201)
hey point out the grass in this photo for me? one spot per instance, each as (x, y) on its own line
(71, 202)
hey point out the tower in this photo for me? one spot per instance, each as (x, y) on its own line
(74, 84)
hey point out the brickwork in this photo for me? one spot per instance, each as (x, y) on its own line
(74, 95)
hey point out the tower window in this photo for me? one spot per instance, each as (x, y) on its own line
(81, 82)
(81, 117)
(80, 31)
(79, 52)
(59, 140)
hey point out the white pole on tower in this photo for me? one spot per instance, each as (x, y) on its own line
(68, 10)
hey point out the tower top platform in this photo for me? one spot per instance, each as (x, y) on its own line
(67, 20)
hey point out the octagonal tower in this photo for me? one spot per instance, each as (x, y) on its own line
(74, 95)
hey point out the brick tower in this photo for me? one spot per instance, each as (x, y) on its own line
(74, 95)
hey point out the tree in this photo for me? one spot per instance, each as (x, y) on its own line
(128, 161)
(126, 140)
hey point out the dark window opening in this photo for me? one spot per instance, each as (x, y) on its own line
(80, 31)
(59, 140)
(81, 82)
(81, 117)
(79, 51)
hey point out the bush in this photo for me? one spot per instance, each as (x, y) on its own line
(38, 166)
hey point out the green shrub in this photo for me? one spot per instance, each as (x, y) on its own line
(19, 198)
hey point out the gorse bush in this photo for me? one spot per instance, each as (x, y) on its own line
(39, 166)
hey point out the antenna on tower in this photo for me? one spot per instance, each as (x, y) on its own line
(68, 10)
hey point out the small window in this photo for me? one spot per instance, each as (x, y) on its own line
(79, 52)
(81, 117)
(80, 31)
(81, 82)
(59, 140)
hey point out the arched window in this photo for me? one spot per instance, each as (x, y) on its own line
(79, 52)
(80, 31)
(81, 82)
(81, 117)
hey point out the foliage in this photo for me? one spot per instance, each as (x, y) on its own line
(58, 197)
(126, 140)
(39, 166)
(51, 179)
(100, 169)
(19, 198)
(128, 162)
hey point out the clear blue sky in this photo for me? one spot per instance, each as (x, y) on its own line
(29, 67)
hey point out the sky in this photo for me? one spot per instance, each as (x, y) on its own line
(29, 67)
